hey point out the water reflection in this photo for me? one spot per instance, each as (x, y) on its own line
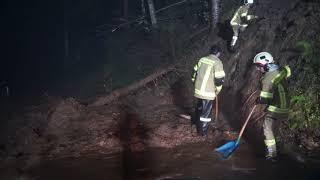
(195, 161)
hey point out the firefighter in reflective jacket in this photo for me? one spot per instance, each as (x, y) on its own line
(274, 95)
(240, 19)
(208, 78)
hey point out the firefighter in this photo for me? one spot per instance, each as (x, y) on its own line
(240, 19)
(274, 95)
(208, 78)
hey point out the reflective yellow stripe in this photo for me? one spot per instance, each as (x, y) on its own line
(270, 142)
(265, 94)
(277, 110)
(275, 78)
(244, 14)
(195, 68)
(280, 76)
(234, 23)
(282, 94)
(288, 71)
(206, 94)
(193, 77)
(205, 79)
(206, 61)
(219, 74)
(218, 88)
(235, 17)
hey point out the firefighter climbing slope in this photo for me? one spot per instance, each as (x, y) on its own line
(274, 95)
(208, 78)
(240, 20)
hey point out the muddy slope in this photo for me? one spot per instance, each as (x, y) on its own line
(278, 33)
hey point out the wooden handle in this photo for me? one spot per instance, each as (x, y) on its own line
(247, 120)
(217, 109)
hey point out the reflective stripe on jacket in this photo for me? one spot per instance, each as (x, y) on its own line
(274, 90)
(207, 69)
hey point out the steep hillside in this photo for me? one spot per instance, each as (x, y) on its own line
(291, 36)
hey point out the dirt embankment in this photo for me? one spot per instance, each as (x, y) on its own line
(64, 127)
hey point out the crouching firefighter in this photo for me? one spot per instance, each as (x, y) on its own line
(208, 78)
(274, 95)
(240, 20)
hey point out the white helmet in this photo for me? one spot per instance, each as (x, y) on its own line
(248, 1)
(263, 58)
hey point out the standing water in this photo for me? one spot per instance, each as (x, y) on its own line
(190, 162)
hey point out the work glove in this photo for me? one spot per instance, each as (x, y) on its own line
(251, 17)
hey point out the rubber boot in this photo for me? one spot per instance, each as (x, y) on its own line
(271, 153)
(233, 41)
(203, 128)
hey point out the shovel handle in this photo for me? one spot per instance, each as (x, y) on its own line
(245, 124)
(217, 109)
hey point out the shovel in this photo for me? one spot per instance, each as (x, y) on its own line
(217, 110)
(227, 149)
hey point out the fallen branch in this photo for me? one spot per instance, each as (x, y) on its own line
(171, 5)
(126, 90)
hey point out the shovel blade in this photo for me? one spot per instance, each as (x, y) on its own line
(227, 149)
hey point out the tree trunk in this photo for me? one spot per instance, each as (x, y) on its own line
(125, 9)
(152, 14)
(214, 12)
(126, 90)
(143, 8)
(66, 34)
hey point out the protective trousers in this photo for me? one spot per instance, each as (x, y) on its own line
(236, 29)
(203, 115)
(271, 122)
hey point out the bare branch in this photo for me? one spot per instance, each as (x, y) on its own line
(142, 17)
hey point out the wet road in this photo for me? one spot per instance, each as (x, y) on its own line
(196, 161)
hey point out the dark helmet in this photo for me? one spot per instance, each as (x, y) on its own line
(215, 50)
